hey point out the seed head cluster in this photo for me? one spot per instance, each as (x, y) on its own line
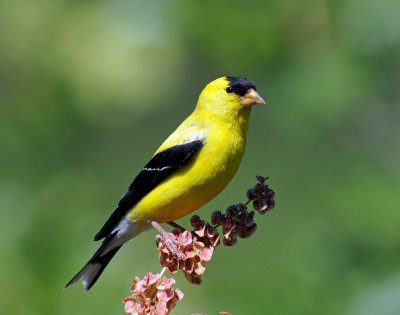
(152, 295)
(197, 246)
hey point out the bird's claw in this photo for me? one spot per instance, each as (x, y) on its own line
(171, 244)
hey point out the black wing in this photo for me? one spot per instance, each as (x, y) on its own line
(159, 168)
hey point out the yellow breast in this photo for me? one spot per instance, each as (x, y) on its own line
(202, 179)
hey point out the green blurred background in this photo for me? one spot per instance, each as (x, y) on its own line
(89, 89)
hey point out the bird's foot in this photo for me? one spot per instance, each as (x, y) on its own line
(169, 242)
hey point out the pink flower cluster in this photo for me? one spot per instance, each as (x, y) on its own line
(152, 295)
(196, 250)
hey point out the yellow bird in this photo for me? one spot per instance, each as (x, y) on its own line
(191, 167)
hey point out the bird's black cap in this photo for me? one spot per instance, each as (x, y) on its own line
(239, 85)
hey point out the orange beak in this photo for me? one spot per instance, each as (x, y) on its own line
(251, 98)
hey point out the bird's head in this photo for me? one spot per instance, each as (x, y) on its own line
(229, 94)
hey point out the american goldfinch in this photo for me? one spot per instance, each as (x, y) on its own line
(191, 167)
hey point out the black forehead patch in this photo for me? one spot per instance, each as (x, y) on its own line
(240, 85)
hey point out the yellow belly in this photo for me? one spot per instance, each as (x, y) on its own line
(195, 184)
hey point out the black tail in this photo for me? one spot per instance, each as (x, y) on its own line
(96, 264)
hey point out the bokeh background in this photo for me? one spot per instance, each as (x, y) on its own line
(89, 89)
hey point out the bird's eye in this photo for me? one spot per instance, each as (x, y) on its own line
(229, 89)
